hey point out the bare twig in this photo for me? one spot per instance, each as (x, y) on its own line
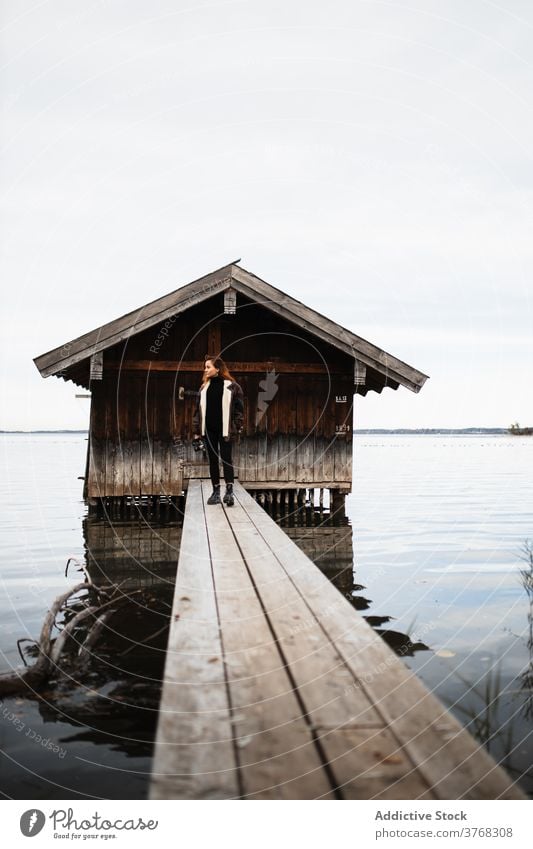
(25, 640)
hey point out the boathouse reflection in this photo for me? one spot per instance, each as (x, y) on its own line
(124, 673)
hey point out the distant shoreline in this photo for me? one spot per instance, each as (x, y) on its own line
(436, 430)
(357, 432)
(43, 431)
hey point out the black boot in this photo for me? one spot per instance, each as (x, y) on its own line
(228, 497)
(214, 498)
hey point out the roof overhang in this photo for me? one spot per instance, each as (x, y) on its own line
(395, 371)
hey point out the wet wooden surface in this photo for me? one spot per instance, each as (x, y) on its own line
(276, 688)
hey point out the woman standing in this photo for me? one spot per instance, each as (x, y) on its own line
(218, 415)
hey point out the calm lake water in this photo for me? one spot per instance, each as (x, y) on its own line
(434, 563)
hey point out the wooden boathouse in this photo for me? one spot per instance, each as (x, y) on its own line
(298, 369)
(274, 686)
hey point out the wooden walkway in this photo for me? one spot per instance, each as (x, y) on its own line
(276, 688)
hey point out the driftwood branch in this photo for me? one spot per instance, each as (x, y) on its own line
(60, 641)
(33, 677)
(30, 679)
(85, 650)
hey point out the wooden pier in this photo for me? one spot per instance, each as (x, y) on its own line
(276, 688)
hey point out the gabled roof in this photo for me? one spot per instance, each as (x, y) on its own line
(257, 290)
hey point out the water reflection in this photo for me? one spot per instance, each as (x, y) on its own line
(105, 689)
(438, 522)
(104, 715)
(491, 705)
(328, 542)
(132, 554)
(114, 695)
(495, 706)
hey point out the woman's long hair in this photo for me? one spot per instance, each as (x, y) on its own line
(218, 363)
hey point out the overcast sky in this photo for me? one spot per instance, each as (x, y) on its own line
(372, 159)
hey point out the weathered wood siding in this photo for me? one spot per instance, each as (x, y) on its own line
(142, 408)
(134, 446)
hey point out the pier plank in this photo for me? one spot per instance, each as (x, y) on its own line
(277, 755)
(444, 753)
(276, 688)
(362, 755)
(194, 754)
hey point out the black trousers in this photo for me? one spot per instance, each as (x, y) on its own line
(214, 439)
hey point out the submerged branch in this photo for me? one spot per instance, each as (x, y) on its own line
(33, 677)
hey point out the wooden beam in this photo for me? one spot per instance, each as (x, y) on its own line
(97, 366)
(230, 301)
(191, 473)
(359, 373)
(213, 339)
(242, 367)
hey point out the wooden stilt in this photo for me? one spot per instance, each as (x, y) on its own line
(338, 510)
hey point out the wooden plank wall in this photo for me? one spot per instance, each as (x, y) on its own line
(296, 439)
(141, 432)
(133, 448)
